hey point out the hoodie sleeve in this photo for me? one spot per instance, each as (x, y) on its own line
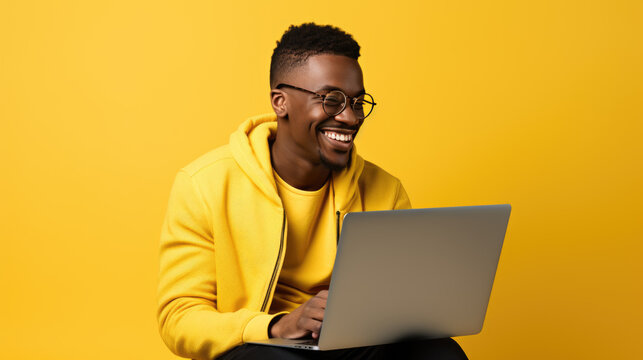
(401, 199)
(189, 322)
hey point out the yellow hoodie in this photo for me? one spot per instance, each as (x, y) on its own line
(224, 240)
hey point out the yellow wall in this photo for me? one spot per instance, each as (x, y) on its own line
(533, 103)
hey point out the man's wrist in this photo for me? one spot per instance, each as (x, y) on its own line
(272, 329)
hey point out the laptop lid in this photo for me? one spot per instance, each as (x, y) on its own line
(413, 273)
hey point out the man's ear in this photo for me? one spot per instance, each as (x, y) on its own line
(278, 102)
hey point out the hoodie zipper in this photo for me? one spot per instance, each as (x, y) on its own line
(276, 269)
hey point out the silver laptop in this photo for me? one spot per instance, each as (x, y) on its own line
(409, 274)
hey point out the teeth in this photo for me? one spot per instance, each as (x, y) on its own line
(338, 136)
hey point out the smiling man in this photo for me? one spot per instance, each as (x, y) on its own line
(251, 230)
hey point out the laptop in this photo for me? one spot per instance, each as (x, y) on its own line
(410, 274)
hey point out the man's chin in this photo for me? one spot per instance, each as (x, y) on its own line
(335, 164)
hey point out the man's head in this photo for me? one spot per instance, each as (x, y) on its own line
(299, 43)
(308, 63)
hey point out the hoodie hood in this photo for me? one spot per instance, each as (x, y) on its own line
(250, 149)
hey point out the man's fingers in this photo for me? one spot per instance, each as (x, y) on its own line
(322, 294)
(317, 302)
(306, 319)
(313, 312)
(309, 324)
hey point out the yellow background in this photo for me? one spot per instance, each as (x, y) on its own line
(533, 103)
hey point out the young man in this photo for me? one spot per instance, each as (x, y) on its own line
(250, 235)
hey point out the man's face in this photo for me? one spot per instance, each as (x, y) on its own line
(312, 134)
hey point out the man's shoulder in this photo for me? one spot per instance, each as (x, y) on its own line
(214, 161)
(374, 173)
(380, 190)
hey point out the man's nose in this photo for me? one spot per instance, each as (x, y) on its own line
(347, 116)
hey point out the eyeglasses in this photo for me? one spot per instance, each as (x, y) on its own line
(334, 102)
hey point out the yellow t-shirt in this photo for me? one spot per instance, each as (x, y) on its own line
(310, 248)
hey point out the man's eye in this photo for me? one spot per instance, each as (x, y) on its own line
(331, 100)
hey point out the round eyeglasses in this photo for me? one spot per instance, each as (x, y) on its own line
(334, 102)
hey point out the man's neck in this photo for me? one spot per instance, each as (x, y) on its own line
(297, 171)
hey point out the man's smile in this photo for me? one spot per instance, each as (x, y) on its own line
(340, 139)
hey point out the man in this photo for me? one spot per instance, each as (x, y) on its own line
(250, 235)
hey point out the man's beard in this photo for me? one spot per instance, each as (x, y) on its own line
(332, 166)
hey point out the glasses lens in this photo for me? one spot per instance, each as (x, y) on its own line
(363, 106)
(334, 102)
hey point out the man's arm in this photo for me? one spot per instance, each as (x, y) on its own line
(189, 322)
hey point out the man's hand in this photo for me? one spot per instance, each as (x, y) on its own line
(305, 320)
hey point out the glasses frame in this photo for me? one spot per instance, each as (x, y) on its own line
(353, 100)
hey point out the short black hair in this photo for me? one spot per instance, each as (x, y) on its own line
(300, 42)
